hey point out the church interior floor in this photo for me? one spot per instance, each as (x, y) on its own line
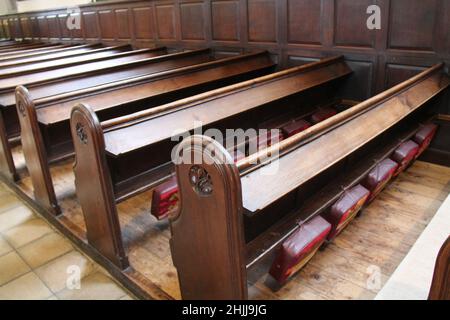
(34, 257)
(37, 262)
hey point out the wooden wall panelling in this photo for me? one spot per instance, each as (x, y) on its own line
(107, 26)
(43, 27)
(122, 24)
(192, 20)
(225, 21)
(412, 30)
(165, 21)
(412, 24)
(90, 26)
(53, 27)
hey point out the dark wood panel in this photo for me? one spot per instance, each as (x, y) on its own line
(414, 33)
(304, 21)
(53, 27)
(350, 24)
(225, 20)
(192, 21)
(262, 20)
(90, 25)
(412, 24)
(396, 73)
(165, 15)
(123, 23)
(65, 32)
(143, 23)
(107, 25)
(43, 27)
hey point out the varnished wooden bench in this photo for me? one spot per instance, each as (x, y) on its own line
(4, 55)
(82, 78)
(122, 157)
(233, 217)
(47, 53)
(45, 123)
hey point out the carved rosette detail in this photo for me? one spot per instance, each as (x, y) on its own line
(81, 133)
(200, 181)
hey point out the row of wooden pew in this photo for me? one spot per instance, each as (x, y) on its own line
(117, 110)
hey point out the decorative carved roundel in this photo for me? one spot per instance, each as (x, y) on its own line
(81, 133)
(200, 181)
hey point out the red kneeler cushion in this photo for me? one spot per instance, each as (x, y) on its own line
(266, 140)
(299, 248)
(295, 127)
(323, 114)
(378, 178)
(345, 209)
(424, 136)
(165, 199)
(404, 154)
(165, 196)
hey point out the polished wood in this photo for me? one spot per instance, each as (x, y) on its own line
(38, 49)
(274, 205)
(440, 286)
(413, 36)
(45, 123)
(85, 75)
(124, 164)
(64, 50)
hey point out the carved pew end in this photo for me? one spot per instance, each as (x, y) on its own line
(299, 248)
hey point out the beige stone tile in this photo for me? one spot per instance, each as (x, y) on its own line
(26, 232)
(8, 201)
(53, 298)
(55, 273)
(14, 217)
(27, 287)
(44, 249)
(4, 247)
(96, 286)
(127, 297)
(11, 266)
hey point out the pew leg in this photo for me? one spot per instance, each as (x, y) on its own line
(7, 167)
(35, 153)
(94, 187)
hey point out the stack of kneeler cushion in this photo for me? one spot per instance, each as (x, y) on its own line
(300, 247)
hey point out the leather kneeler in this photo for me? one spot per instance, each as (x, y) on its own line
(323, 114)
(299, 248)
(345, 209)
(379, 177)
(404, 155)
(424, 136)
(165, 199)
(295, 127)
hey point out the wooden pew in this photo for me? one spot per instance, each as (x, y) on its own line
(233, 217)
(82, 79)
(46, 48)
(122, 157)
(99, 54)
(63, 50)
(27, 47)
(45, 122)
